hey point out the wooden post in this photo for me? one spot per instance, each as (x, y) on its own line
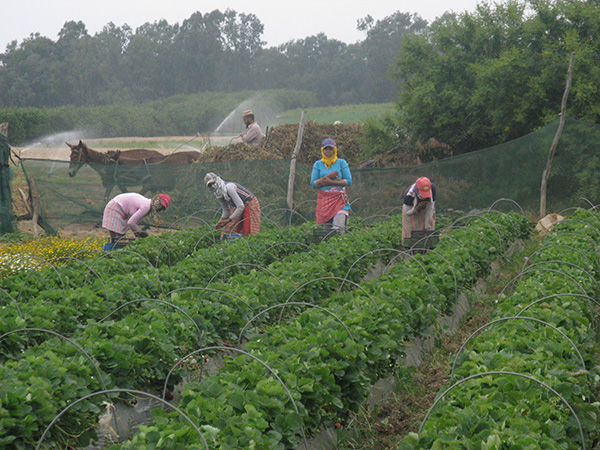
(35, 206)
(561, 124)
(292, 179)
(25, 200)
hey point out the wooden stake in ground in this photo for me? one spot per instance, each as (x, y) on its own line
(290, 192)
(561, 124)
(35, 206)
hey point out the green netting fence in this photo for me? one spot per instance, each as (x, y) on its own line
(475, 180)
(6, 215)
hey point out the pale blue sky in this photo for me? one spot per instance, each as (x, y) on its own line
(283, 20)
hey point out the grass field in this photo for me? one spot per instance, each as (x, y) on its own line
(344, 113)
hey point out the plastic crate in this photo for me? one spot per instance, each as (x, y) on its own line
(422, 239)
(116, 245)
(110, 246)
(320, 234)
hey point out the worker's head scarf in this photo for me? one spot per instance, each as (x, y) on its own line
(328, 161)
(216, 184)
(158, 201)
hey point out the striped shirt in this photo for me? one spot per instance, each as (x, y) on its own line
(238, 195)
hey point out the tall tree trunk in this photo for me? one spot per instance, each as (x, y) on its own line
(561, 124)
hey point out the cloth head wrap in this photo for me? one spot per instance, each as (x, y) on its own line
(157, 201)
(328, 161)
(217, 185)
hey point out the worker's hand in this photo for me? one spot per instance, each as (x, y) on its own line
(141, 234)
(221, 223)
(333, 175)
(325, 181)
(421, 206)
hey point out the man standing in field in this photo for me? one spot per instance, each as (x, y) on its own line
(254, 135)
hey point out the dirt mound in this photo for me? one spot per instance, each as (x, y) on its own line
(235, 152)
(281, 140)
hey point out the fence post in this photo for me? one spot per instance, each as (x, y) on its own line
(290, 192)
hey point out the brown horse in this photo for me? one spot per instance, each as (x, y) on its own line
(124, 167)
(142, 156)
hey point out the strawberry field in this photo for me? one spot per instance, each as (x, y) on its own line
(295, 335)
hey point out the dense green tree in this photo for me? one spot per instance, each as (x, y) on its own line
(379, 51)
(479, 79)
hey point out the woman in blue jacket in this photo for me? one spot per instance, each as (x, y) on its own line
(331, 176)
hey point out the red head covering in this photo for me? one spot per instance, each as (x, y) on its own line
(165, 200)
(424, 187)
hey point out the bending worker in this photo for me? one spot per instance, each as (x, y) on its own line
(418, 210)
(331, 176)
(241, 210)
(253, 136)
(127, 210)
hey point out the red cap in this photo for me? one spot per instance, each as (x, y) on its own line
(165, 200)
(424, 187)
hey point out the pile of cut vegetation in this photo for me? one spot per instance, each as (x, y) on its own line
(281, 140)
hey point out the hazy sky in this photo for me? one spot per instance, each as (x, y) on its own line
(283, 20)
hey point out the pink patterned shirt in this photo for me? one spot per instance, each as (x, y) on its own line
(135, 206)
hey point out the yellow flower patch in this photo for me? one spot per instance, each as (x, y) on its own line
(42, 252)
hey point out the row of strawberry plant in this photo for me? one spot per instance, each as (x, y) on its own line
(141, 255)
(328, 370)
(531, 379)
(135, 349)
(60, 317)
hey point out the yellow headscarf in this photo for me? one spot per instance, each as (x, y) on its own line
(329, 161)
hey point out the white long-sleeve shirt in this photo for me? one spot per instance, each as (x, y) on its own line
(253, 137)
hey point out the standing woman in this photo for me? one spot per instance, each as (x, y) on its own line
(418, 210)
(241, 210)
(331, 175)
(127, 210)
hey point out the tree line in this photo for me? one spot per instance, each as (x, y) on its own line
(216, 52)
